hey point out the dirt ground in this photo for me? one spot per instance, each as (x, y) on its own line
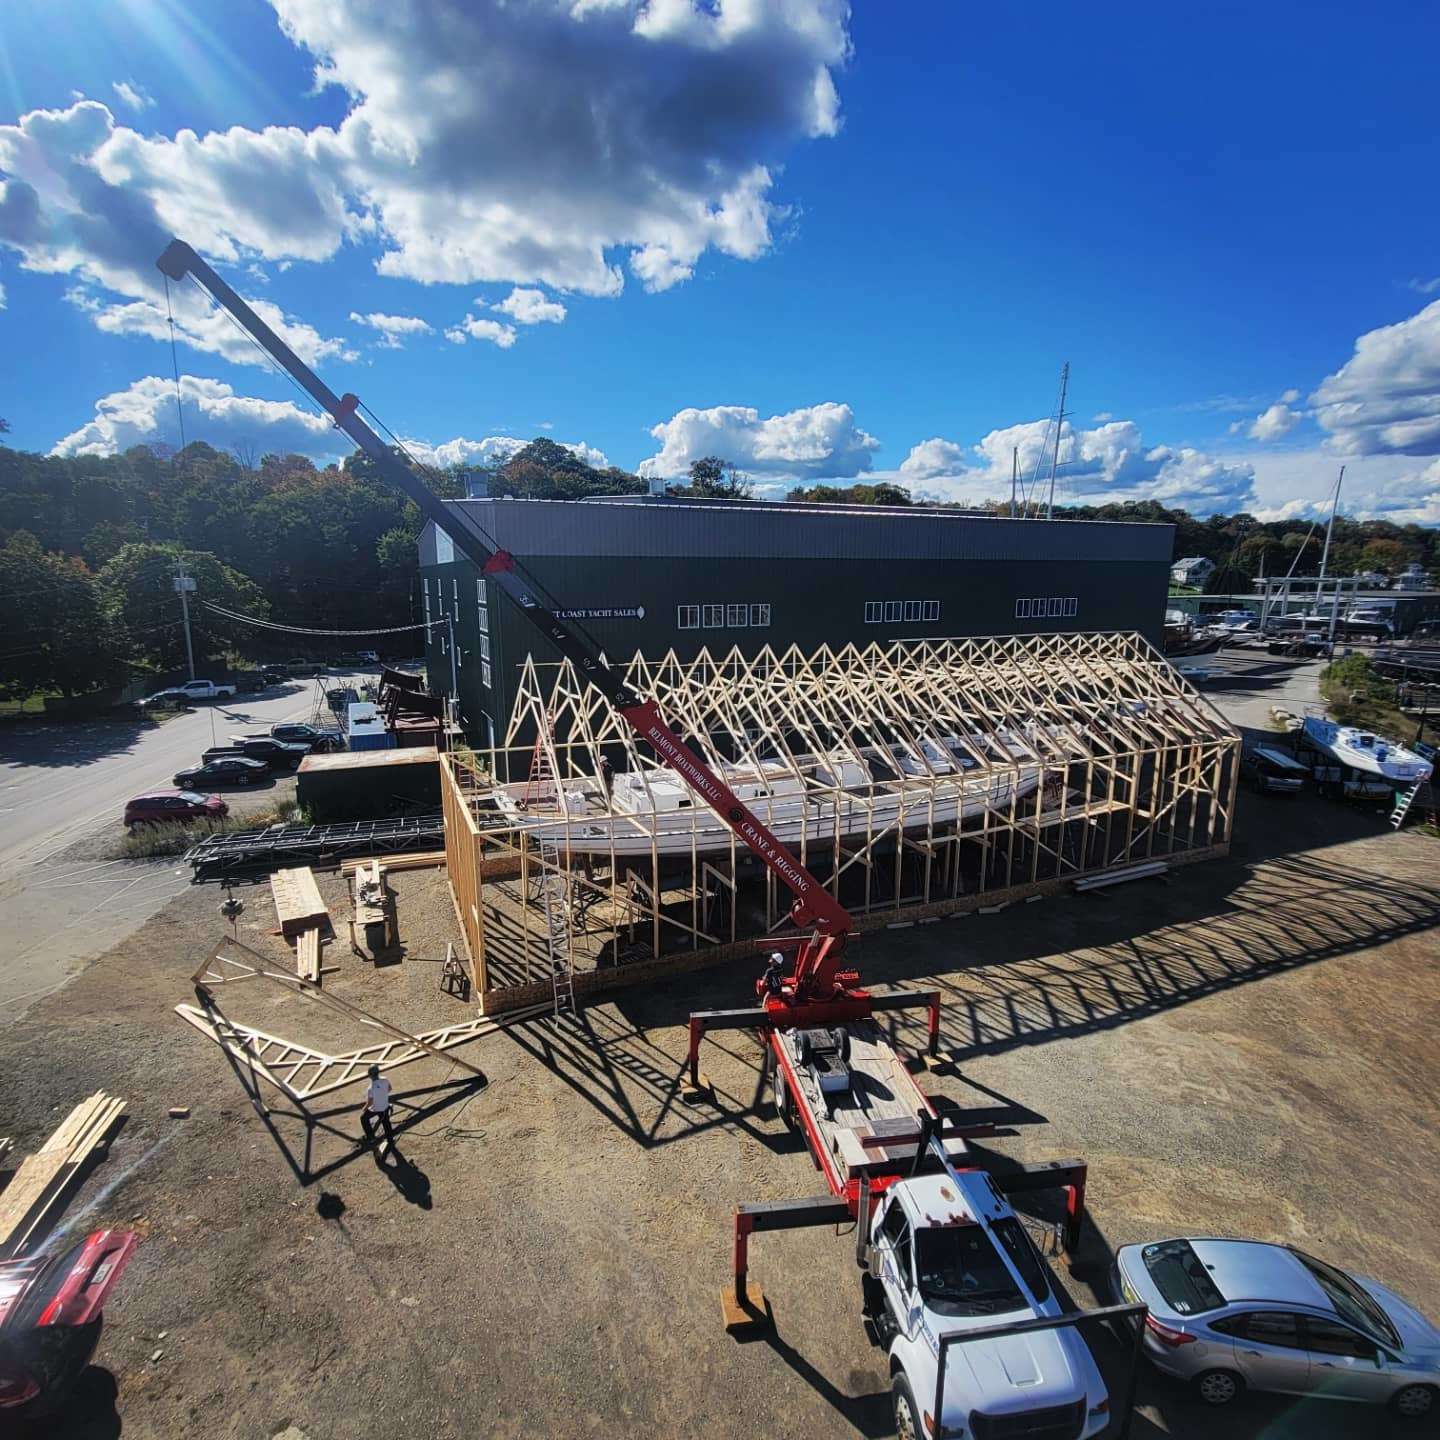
(1251, 1048)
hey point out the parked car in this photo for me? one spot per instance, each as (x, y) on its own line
(341, 699)
(206, 689)
(162, 807)
(171, 699)
(304, 669)
(277, 754)
(230, 770)
(275, 675)
(50, 1320)
(221, 752)
(1232, 1315)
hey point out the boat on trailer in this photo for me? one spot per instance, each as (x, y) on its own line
(1359, 761)
(941, 781)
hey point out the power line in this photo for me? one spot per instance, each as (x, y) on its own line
(309, 630)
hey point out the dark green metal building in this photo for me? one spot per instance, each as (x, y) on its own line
(652, 573)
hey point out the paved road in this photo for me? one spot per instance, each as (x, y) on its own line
(60, 784)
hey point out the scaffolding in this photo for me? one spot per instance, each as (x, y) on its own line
(914, 779)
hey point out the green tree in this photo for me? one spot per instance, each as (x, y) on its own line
(712, 478)
(140, 601)
(56, 633)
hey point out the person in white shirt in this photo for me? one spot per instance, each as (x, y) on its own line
(377, 1109)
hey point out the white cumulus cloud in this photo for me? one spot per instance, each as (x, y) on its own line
(530, 307)
(133, 96)
(471, 328)
(1386, 398)
(1110, 463)
(144, 413)
(491, 449)
(819, 442)
(1273, 423)
(544, 143)
(393, 328)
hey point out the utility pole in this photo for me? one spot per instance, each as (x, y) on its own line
(1325, 556)
(183, 586)
(1059, 426)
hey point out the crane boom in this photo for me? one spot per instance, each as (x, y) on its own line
(817, 973)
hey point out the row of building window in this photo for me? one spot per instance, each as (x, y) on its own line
(722, 617)
(1042, 607)
(442, 612)
(900, 612)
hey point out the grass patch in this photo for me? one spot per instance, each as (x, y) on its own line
(1356, 694)
(150, 842)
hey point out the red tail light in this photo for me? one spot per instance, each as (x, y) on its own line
(1167, 1336)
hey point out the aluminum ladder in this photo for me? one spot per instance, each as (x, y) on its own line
(555, 889)
(1403, 804)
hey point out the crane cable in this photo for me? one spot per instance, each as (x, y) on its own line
(175, 363)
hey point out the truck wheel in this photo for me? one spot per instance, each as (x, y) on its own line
(907, 1413)
(782, 1102)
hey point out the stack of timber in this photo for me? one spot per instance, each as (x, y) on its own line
(424, 860)
(302, 916)
(39, 1184)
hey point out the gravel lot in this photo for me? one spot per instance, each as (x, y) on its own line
(1239, 1051)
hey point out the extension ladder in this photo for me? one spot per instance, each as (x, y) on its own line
(541, 785)
(555, 889)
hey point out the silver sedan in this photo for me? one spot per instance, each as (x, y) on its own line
(1232, 1315)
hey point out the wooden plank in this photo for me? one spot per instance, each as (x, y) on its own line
(307, 955)
(420, 860)
(42, 1179)
(297, 900)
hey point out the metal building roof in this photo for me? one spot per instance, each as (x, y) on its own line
(649, 527)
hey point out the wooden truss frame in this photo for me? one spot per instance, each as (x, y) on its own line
(301, 1072)
(1133, 764)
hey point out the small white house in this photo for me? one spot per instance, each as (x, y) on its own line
(1412, 577)
(1194, 570)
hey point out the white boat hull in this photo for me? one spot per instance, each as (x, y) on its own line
(790, 817)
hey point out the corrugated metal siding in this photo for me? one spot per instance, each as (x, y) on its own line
(618, 528)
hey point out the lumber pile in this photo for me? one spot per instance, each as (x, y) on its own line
(302, 916)
(420, 860)
(39, 1184)
(297, 901)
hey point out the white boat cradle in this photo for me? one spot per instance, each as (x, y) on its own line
(838, 795)
(1366, 752)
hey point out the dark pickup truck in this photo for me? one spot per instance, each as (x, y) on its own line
(277, 754)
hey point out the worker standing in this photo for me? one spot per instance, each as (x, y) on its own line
(377, 1109)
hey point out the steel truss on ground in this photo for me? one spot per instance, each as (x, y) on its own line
(1092, 751)
(254, 852)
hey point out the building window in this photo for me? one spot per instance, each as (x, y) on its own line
(1072, 604)
(425, 595)
(874, 611)
(759, 617)
(736, 616)
(687, 617)
(485, 673)
(714, 616)
(912, 610)
(1022, 609)
(932, 610)
(1037, 607)
(484, 647)
(1057, 606)
(455, 593)
(894, 612)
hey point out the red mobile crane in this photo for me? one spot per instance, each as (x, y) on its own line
(817, 1021)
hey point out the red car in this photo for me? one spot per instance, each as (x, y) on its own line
(50, 1317)
(157, 807)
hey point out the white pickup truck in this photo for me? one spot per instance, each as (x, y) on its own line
(204, 690)
(947, 1254)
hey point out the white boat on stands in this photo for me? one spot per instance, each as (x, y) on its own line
(847, 796)
(1367, 764)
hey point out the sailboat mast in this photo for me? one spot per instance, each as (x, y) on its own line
(1059, 426)
(1325, 556)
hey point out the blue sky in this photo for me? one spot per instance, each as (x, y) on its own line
(824, 245)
